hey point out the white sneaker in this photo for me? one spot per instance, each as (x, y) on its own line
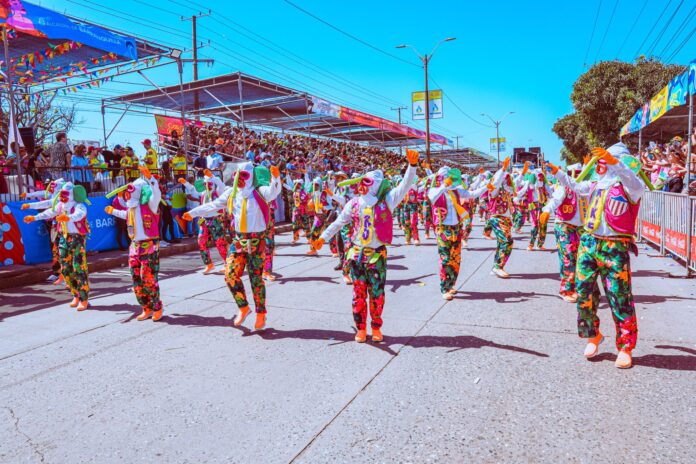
(52, 278)
(447, 296)
(164, 244)
(592, 347)
(500, 273)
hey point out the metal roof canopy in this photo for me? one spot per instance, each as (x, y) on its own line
(464, 156)
(251, 100)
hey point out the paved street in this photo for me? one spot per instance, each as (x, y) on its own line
(497, 375)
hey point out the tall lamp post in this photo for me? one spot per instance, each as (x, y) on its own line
(497, 130)
(425, 59)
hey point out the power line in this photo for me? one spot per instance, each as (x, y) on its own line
(606, 30)
(457, 106)
(650, 30)
(347, 34)
(679, 30)
(664, 28)
(686, 40)
(594, 27)
(640, 13)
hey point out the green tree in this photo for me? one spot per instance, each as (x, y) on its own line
(605, 98)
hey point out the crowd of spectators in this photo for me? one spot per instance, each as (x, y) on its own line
(666, 164)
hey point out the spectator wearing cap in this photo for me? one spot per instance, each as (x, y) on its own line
(83, 174)
(151, 161)
(200, 164)
(214, 158)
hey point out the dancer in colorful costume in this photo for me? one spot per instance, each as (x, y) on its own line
(500, 208)
(142, 217)
(370, 218)
(46, 200)
(411, 207)
(70, 213)
(320, 205)
(446, 196)
(426, 208)
(614, 201)
(247, 202)
(570, 216)
(210, 226)
(519, 215)
(300, 217)
(535, 192)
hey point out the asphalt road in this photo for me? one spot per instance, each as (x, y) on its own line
(497, 375)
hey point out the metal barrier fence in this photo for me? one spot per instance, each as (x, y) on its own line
(97, 181)
(667, 220)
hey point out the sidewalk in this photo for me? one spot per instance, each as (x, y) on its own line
(20, 274)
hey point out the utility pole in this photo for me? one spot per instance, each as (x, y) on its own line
(497, 131)
(398, 110)
(457, 137)
(194, 48)
(425, 59)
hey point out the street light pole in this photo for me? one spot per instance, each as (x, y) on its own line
(497, 131)
(425, 59)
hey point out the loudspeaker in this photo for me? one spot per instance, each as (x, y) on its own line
(28, 138)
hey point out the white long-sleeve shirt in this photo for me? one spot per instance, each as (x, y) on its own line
(452, 218)
(393, 198)
(153, 204)
(79, 212)
(255, 221)
(555, 200)
(619, 174)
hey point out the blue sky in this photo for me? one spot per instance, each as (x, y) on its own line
(508, 56)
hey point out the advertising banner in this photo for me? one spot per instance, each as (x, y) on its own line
(498, 142)
(167, 124)
(418, 105)
(30, 243)
(41, 22)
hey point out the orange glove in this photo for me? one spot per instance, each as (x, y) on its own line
(525, 168)
(62, 217)
(490, 187)
(186, 216)
(181, 180)
(275, 172)
(145, 172)
(25, 206)
(318, 243)
(448, 181)
(29, 219)
(506, 163)
(22, 196)
(109, 209)
(481, 170)
(553, 167)
(605, 155)
(412, 157)
(207, 172)
(544, 217)
(586, 159)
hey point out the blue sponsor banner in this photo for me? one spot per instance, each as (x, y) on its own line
(35, 237)
(42, 22)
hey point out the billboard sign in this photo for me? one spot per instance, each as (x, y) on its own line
(418, 105)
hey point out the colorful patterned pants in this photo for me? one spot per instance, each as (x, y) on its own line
(369, 274)
(537, 236)
(467, 222)
(299, 222)
(487, 228)
(270, 245)
(211, 230)
(449, 249)
(143, 260)
(247, 252)
(318, 226)
(608, 260)
(502, 228)
(73, 262)
(567, 242)
(55, 253)
(428, 218)
(411, 221)
(519, 217)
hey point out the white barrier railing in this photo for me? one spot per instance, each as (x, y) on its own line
(667, 220)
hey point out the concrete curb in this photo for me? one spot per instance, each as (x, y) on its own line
(34, 274)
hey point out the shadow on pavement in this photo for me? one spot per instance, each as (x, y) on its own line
(328, 280)
(500, 297)
(654, 299)
(550, 275)
(398, 283)
(672, 362)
